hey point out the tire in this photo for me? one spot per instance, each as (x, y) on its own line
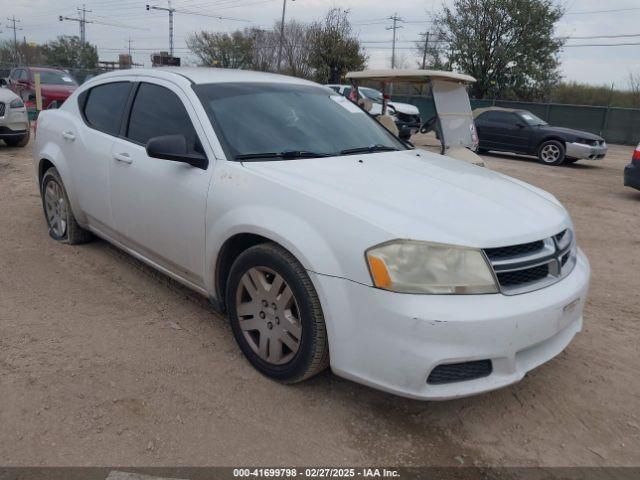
(551, 152)
(62, 224)
(569, 161)
(282, 334)
(19, 142)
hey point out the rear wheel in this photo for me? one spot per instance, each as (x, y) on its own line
(62, 224)
(551, 152)
(275, 314)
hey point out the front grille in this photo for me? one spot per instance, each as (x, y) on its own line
(530, 266)
(406, 118)
(524, 248)
(2, 107)
(460, 372)
(518, 277)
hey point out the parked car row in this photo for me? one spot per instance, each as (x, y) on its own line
(56, 85)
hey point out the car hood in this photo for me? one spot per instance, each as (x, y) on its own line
(7, 95)
(568, 133)
(424, 196)
(405, 108)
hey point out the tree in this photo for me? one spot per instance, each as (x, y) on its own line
(335, 49)
(223, 50)
(70, 52)
(507, 45)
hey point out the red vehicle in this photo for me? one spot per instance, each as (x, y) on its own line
(56, 85)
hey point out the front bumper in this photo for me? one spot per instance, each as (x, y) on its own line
(582, 151)
(393, 341)
(14, 122)
(632, 176)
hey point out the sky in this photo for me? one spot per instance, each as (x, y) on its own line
(148, 30)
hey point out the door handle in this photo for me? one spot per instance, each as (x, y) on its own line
(123, 157)
(68, 136)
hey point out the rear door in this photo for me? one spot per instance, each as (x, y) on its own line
(159, 206)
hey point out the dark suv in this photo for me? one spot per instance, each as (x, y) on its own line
(56, 85)
(520, 131)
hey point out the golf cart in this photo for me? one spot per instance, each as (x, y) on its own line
(453, 120)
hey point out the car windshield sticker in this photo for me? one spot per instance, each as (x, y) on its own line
(346, 104)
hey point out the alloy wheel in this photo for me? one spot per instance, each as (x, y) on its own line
(550, 153)
(268, 315)
(56, 208)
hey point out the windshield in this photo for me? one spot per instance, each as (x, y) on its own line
(274, 120)
(531, 119)
(48, 77)
(371, 94)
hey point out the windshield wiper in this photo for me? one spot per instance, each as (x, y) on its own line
(288, 155)
(369, 149)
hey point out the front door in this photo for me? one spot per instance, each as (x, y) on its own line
(159, 205)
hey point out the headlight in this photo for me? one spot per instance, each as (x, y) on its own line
(17, 103)
(408, 266)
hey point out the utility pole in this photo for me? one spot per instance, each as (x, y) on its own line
(284, 9)
(15, 29)
(395, 27)
(82, 21)
(424, 53)
(171, 12)
(129, 46)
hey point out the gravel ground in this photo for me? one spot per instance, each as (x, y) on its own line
(105, 362)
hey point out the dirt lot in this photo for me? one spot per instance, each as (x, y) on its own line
(104, 362)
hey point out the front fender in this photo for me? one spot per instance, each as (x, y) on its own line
(291, 232)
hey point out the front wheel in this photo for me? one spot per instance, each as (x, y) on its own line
(551, 152)
(275, 314)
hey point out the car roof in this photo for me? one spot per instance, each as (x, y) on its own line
(479, 111)
(204, 75)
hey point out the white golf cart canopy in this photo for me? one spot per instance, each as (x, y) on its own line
(412, 76)
(453, 121)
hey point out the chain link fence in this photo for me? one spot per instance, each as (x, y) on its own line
(615, 125)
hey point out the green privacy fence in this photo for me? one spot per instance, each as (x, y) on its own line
(616, 125)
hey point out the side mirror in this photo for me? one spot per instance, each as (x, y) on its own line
(174, 148)
(405, 134)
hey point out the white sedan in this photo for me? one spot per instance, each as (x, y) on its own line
(14, 120)
(326, 240)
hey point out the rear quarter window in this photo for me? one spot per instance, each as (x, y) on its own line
(104, 106)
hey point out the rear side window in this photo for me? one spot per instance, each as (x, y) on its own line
(157, 111)
(498, 117)
(105, 105)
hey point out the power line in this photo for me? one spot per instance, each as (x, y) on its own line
(395, 27)
(588, 12)
(15, 29)
(171, 11)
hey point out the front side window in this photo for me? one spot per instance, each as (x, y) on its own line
(105, 105)
(255, 118)
(158, 111)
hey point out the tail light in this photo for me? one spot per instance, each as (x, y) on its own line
(636, 155)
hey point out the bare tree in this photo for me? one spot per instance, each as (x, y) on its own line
(634, 88)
